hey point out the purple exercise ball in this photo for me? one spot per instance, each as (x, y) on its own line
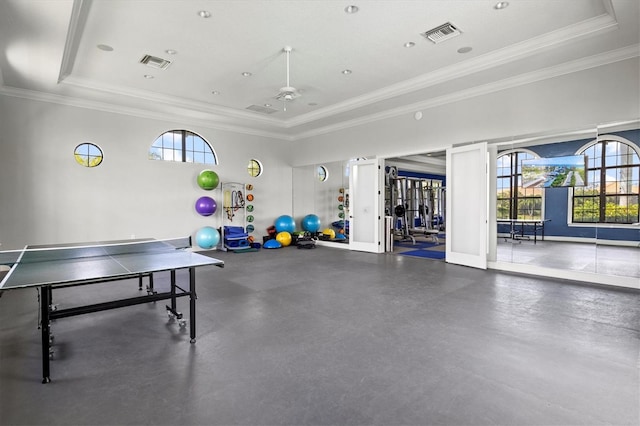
(206, 206)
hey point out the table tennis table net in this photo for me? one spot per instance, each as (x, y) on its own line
(36, 254)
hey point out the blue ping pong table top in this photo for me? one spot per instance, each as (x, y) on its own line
(80, 263)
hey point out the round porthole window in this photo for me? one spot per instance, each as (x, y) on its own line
(321, 173)
(254, 168)
(88, 155)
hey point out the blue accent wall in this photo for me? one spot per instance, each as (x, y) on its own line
(556, 200)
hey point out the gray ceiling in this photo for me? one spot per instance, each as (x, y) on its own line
(50, 49)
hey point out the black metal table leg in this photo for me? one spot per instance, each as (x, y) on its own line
(192, 304)
(45, 306)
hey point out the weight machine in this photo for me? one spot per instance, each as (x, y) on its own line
(417, 206)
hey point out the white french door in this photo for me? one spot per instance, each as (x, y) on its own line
(466, 216)
(366, 180)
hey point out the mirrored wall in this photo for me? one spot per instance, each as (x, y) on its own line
(569, 200)
(322, 190)
(552, 215)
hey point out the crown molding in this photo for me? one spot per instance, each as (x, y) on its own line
(594, 61)
(136, 112)
(77, 21)
(587, 28)
(580, 30)
(218, 112)
(582, 64)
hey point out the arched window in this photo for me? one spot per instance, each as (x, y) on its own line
(613, 183)
(513, 200)
(182, 146)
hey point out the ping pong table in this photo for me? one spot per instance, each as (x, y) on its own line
(49, 267)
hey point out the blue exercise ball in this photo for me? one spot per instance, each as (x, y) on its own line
(207, 237)
(285, 223)
(311, 223)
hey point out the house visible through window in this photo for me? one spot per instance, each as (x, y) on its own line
(513, 200)
(182, 146)
(613, 183)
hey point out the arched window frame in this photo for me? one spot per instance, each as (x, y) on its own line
(184, 146)
(519, 202)
(614, 202)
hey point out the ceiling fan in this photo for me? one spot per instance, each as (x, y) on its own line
(287, 93)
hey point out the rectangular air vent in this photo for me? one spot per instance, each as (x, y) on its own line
(261, 109)
(442, 33)
(155, 62)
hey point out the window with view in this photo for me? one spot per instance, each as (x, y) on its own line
(182, 146)
(613, 183)
(513, 200)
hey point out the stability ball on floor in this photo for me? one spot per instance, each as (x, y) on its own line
(285, 223)
(311, 223)
(284, 238)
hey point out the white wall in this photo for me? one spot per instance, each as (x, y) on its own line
(46, 197)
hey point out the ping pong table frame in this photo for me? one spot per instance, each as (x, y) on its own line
(48, 312)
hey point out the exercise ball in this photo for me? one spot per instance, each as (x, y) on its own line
(328, 232)
(208, 179)
(207, 237)
(272, 244)
(206, 206)
(285, 223)
(311, 223)
(284, 238)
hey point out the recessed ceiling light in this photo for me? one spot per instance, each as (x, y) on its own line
(204, 14)
(351, 9)
(105, 47)
(465, 49)
(409, 44)
(246, 74)
(215, 92)
(501, 5)
(267, 105)
(171, 51)
(346, 72)
(148, 76)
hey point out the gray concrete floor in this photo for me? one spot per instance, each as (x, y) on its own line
(333, 337)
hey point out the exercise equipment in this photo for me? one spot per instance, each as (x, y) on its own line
(206, 206)
(272, 244)
(207, 237)
(285, 223)
(416, 204)
(208, 179)
(284, 238)
(311, 223)
(329, 233)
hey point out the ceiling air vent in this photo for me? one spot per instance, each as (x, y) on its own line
(261, 109)
(155, 62)
(442, 33)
